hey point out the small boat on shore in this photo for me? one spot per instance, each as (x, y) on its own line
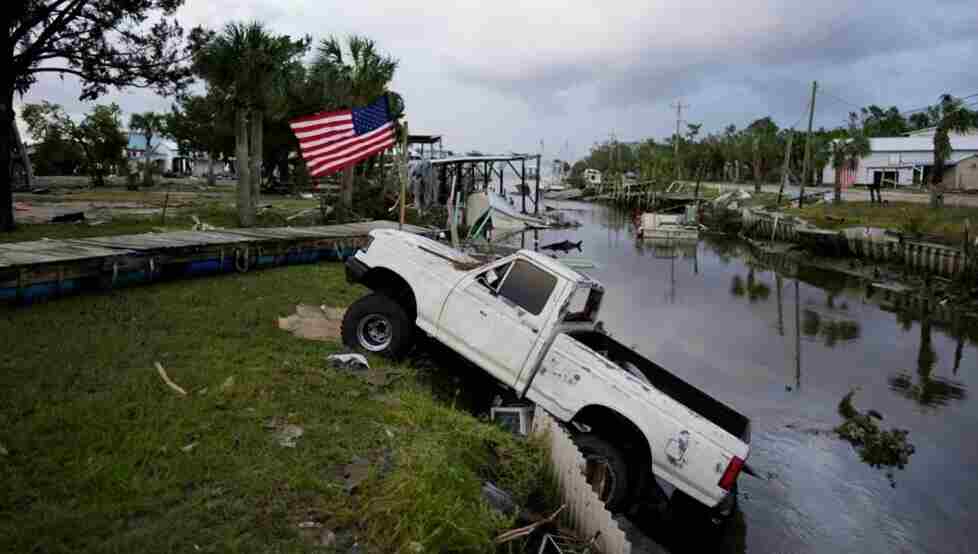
(675, 227)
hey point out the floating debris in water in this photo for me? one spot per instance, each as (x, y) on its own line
(876, 447)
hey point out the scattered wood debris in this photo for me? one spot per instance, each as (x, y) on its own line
(169, 382)
(313, 322)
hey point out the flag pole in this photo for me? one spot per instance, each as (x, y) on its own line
(403, 172)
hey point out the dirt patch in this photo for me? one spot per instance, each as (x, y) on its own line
(314, 322)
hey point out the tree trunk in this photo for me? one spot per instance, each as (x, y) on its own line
(211, 178)
(838, 187)
(256, 155)
(6, 141)
(283, 171)
(246, 209)
(148, 162)
(346, 189)
(24, 158)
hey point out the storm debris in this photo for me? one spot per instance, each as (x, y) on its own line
(876, 447)
(313, 323)
(168, 381)
(288, 435)
(354, 362)
(285, 434)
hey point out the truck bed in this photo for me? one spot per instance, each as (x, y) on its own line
(693, 398)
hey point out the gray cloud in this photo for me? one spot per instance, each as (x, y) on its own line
(506, 75)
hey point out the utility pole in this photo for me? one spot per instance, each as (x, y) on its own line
(787, 165)
(679, 118)
(808, 147)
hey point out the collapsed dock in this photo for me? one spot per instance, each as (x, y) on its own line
(51, 268)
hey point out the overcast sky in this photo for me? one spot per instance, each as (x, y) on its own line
(501, 76)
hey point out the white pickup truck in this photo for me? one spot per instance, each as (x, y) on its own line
(531, 322)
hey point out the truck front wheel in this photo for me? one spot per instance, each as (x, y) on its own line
(606, 471)
(378, 324)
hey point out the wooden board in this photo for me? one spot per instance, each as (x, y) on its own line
(161, 241)
(18, 254)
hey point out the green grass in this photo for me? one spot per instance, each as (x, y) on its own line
(946, 224)
(94, 439)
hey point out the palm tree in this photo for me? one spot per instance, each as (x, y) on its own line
(149, 124)
(845, 154)
(358, 76)
(247, 66)
(954, 117)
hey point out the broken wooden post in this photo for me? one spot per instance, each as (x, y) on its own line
(403, 174)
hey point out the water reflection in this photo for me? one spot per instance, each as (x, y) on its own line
(832, 331)
(753, 289)
(927, 390)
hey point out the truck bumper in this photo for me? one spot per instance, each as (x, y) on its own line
(355, 270)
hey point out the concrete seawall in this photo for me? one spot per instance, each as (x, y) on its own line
(862, 242)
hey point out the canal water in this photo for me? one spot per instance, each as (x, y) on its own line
(726, 323)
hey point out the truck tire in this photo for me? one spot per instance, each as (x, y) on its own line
(377, 324)
(605, 462)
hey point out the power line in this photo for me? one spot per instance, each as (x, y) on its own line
(840, 99)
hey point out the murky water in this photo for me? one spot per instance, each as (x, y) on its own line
(727, 324)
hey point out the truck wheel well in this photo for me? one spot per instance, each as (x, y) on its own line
(622, 432)
(385, 281)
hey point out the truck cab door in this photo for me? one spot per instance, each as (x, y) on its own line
(498, 317)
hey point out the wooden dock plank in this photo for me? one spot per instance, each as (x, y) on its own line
(161, 241)
(17, 254)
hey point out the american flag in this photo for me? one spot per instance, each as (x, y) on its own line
(331, 141)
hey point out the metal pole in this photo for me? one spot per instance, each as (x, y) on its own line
(787, 165)
(403, 175)
(808, 146)
(502, 168)
(523, 182)
(536, 190)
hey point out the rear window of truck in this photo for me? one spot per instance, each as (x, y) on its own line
(528, 286)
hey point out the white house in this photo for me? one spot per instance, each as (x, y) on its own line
(162, 153)
(906, 160)
(592, 176)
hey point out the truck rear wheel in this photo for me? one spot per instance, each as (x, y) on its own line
(606, 471)
(378, 324)
(685, 508)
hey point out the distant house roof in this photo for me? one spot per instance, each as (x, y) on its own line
(920, 144)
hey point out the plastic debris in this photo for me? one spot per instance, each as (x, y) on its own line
(348, 361)
(288, 434)
(498, 499)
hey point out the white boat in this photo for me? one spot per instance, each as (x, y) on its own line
(484, 207)
(674, 227)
